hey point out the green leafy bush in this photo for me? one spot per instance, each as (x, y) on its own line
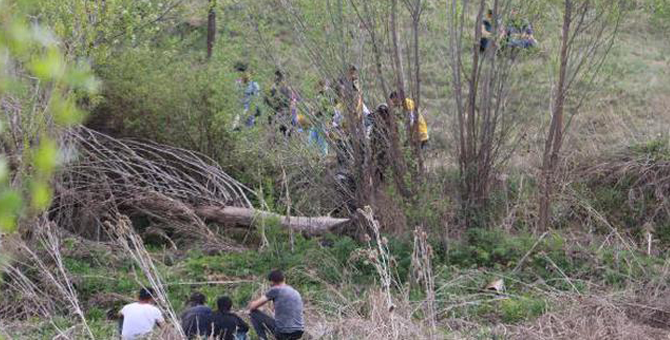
(520, 309)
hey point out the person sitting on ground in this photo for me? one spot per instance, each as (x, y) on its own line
(288, 322)
(417, 124)
(139, 318)
(195, 320)
(227, 325)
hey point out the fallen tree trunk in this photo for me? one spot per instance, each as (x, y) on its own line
(246, 217)
(174, 189)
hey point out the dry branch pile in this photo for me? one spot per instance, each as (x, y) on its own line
(598, 317)
(645, 169)
(177, 190)
(637, 184)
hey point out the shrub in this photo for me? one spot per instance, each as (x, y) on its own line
(523, 308)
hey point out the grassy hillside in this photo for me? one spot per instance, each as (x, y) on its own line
(601, 272)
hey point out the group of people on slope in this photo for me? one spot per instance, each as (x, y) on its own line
(329, 116)
(138, 319)
(515, 33)
(334, 98)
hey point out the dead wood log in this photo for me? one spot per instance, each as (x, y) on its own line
(177, 188)
(245, 217)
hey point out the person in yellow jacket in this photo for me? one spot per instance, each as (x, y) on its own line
(417, 123)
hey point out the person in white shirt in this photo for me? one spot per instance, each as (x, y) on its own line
(139, 318)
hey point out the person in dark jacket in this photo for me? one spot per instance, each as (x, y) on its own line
(279, 101)
(196, 319)
(227, 325)
(487, 31)
(379, 142)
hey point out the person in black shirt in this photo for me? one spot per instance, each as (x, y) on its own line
(379, 141)
(487, 31)
(195, 320)
(227, 325)
(279, 100)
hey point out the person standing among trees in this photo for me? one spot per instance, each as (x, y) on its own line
(279, 101)
(339, 132)
(250, 92)
(288, 323)
(519, 32)
(487, 31)
(323, 114)
(379, 142)
(249, 99)
(417, 124)
(139, 318)
(361, 111)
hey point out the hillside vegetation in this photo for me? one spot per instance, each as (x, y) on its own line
(119, 153)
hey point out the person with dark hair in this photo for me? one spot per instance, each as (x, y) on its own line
(196, 319)
(519, 32)
(361, 111)
(379, 142)
(417, 123)
(288, 323)
(324, 112)
(279, 100)
(241, 66)
(487, 31)
(227, 325)
(139, 318)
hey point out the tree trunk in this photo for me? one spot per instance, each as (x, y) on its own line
(474, 193)
(416, 19)
(245, 218)
(398, 166)
(455, 52)
(397, 60)
(211, 28)
(554, 141)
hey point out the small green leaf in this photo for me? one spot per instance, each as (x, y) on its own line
(46, 156)
(7, 223)
(4, 170)
(19, 37)
(81, 77)
(66, 112)
(41, 195)
(10, 203)
(48, 67)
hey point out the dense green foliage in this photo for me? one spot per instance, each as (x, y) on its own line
(34, 72)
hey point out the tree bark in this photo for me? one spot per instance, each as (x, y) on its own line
(474, 194)
(397, 59)
(211, 28)
(416, 10)
(398, 163)
(554, 141)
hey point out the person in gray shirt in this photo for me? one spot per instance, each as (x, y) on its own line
(288, 323)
